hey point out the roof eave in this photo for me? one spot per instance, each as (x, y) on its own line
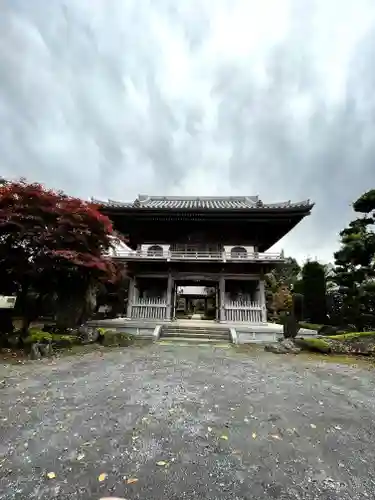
(265, 209)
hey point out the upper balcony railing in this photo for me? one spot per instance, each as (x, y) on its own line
(189, 255)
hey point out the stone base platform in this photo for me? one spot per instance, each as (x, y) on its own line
(241, 333)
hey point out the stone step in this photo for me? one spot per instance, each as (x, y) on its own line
(194, 330)
(194, 340)
(201, 335)
(198, 325)
(182, 329)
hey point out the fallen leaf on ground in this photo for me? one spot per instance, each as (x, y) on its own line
(224, 437)
(132, 480)
(254, 435)
(51, 475)
(338, 427)
(313, 426)
(162, 463)
(102, 477)
(209, 429)
(246, 420)
(80, 456)
(275, 436)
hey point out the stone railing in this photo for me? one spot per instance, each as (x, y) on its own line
(179, 256)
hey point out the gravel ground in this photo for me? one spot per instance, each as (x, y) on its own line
(168, 421)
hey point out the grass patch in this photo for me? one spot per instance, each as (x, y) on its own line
(316, 345)
(351, 336)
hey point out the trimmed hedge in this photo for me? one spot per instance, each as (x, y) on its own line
(350, 336)
(314, 344)
(362, 343)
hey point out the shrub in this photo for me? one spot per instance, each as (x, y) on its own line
(291, 327)
(297, 306)
(37, 335)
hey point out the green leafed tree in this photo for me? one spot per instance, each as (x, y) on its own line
(355, 266)
(313, 288)
(279, 283)
(287, 273)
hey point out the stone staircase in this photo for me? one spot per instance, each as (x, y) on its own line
(195, 333)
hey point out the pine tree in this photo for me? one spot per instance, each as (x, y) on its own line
(355, 266)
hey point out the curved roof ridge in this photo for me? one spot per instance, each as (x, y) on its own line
(289, 203)
(142, 198)
(111, 203)
(203, 202)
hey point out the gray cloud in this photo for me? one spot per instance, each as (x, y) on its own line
(112, 98)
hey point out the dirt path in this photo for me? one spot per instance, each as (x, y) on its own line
(187, 423)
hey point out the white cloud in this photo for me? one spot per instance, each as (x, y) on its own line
(109, 98)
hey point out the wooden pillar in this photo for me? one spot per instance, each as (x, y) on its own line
(262, 300)
(217, 303)
(135, 289)
(222, 298)
(130, 298)
(169, 296)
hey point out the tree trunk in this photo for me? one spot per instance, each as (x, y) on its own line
(22, 305)
(89, 302)
(75, 308)
(6, 322)
(69, 310)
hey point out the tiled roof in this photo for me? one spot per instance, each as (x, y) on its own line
(113, 203)
(206, 202)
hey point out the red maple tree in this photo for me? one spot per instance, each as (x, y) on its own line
(51, 241)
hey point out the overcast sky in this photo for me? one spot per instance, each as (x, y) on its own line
(111, 98)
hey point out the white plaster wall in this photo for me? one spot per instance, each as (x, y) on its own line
(144, 248)
(228, 248)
